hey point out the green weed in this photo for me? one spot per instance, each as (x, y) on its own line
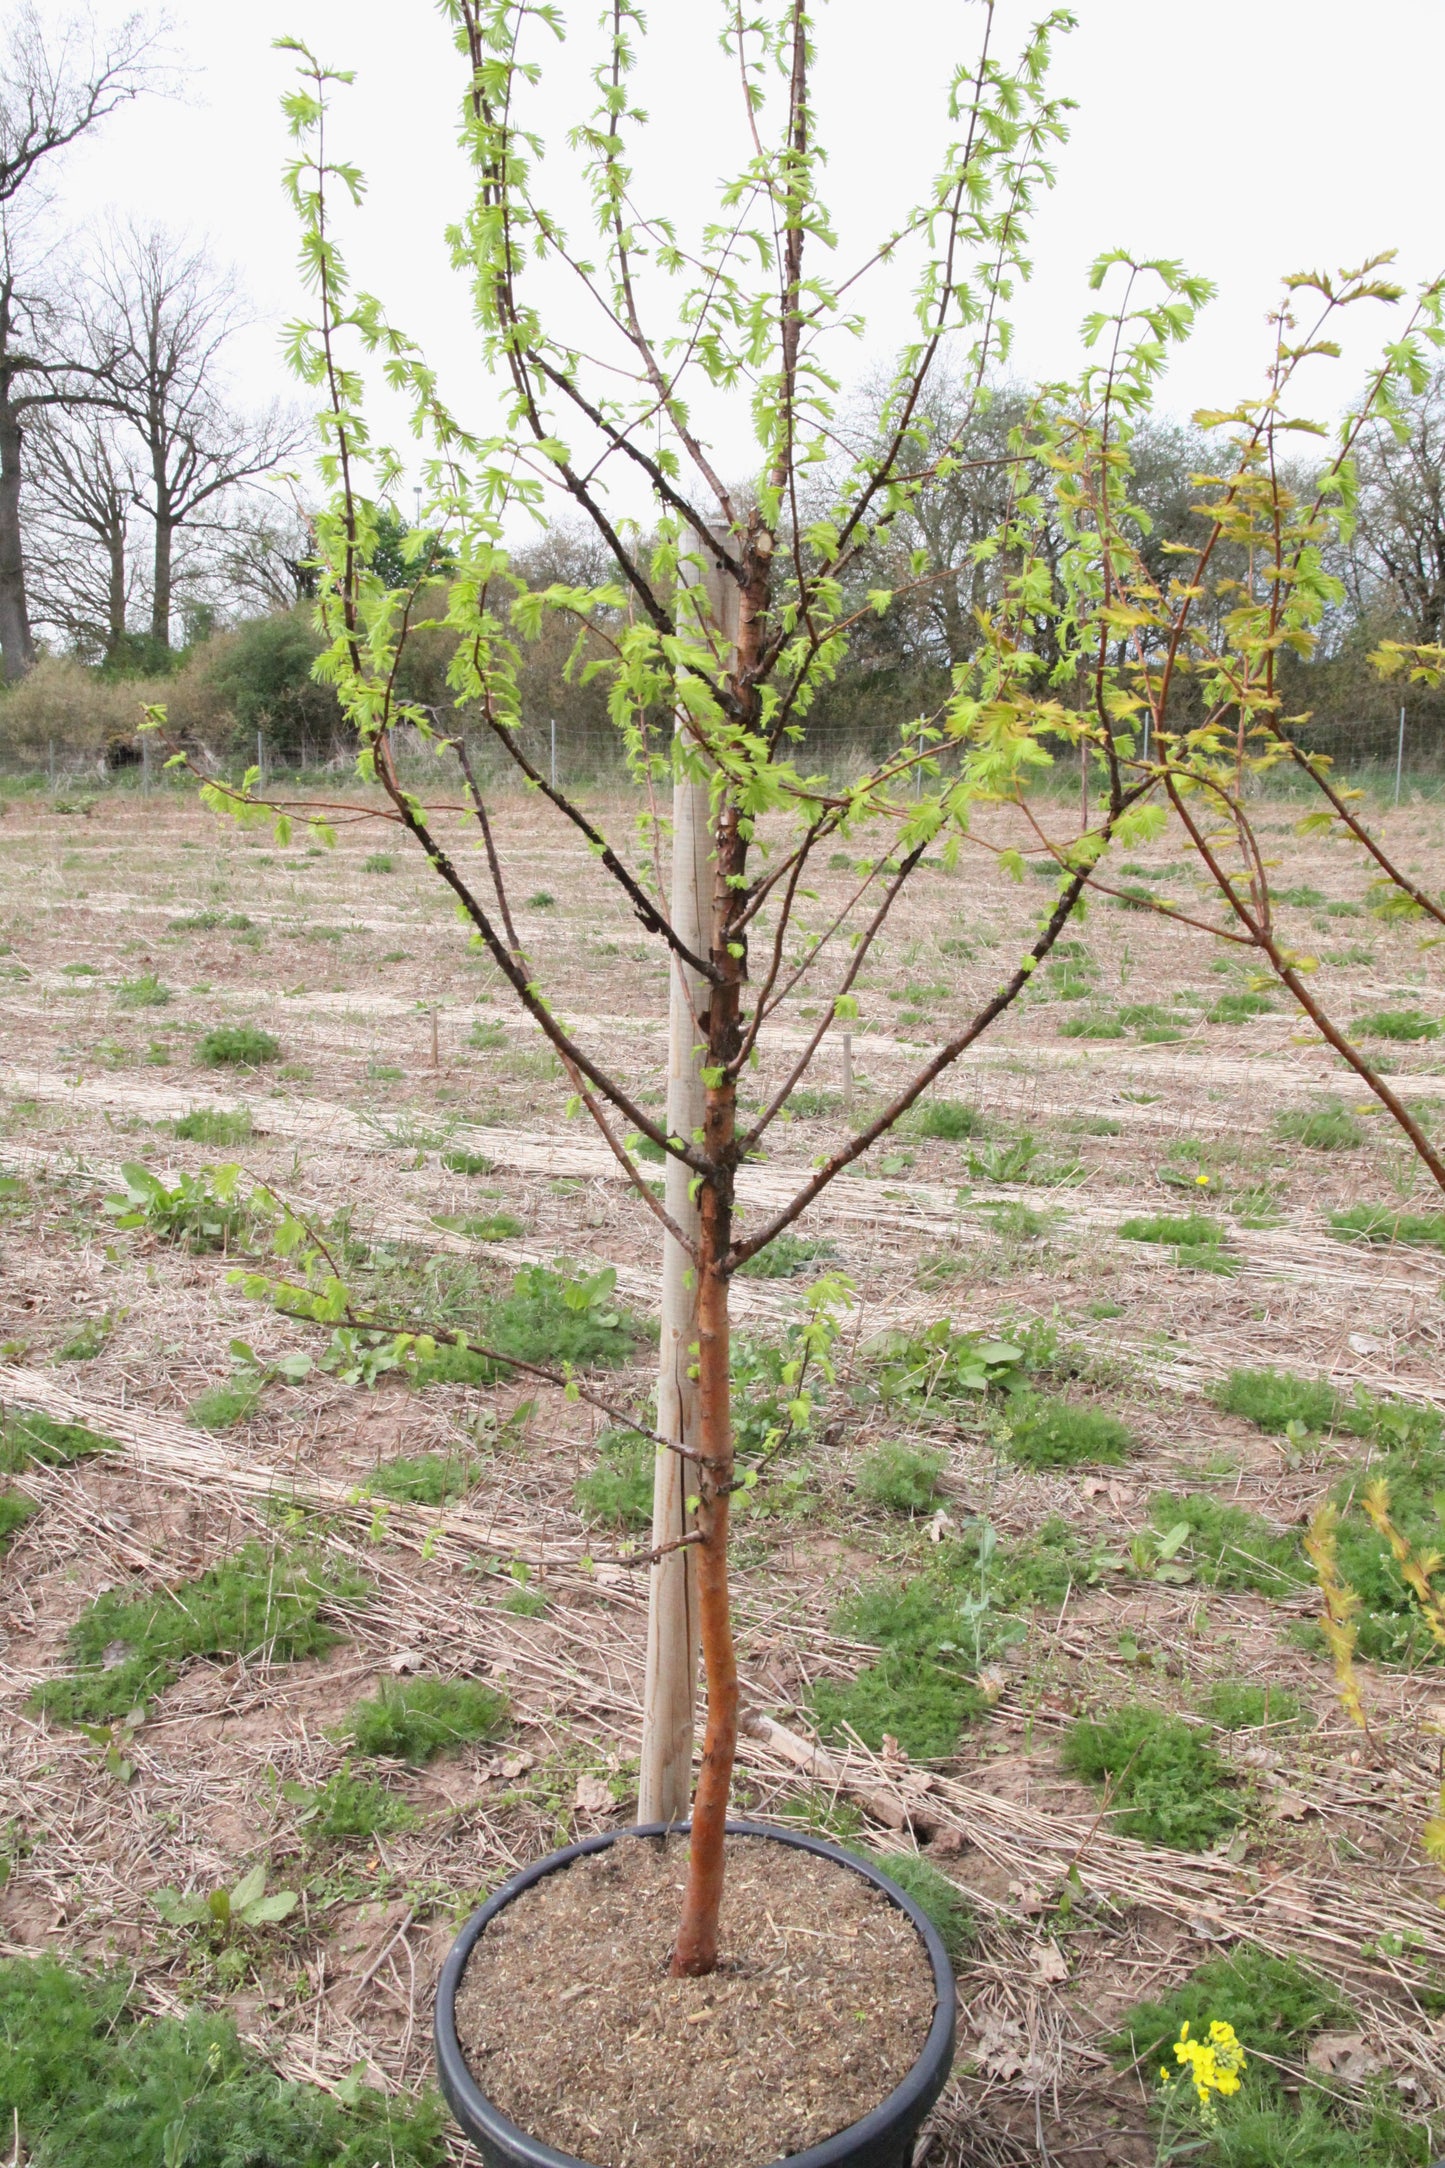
(786, 1256)
(1301, 898)
(1402, 1025)
(221, 1407)
(904, 1478)
(259, 1601)
(240, 1046)
(542, 900)
(145, 992)
(347, 1808)
(1381, 1224)
(218, 1126)
(378, 862)
(1192, 1230)
(550, 1318)
(422, 1479)
(1239, 1705)
(26, 1435)
(1328, 1128)
(15, 1510)
(1273, 1399)
(87, 2082)
(481, 1227)
(1048, 1433)
(487, 1036)
(415, 1719)
(1239, 1008)
(468, 1163)
(617, 1493)
(1230, 1547)
(808, 1105)
(203, 1210)
(932, 1892)
(1166, 1782)
(948, 1119)
(1096, 1024)
(87, 1341)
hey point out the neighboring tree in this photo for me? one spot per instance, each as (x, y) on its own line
(263, 672)
(1395, 559)
(723, 616)
(161, 317)
(262, 554)
(81, 499)
(56, 82)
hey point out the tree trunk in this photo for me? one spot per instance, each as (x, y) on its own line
(695, 1951)
(17, 647)
(115, 627)
(161, 588)
(665, 1782)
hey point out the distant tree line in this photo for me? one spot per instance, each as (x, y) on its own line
(144, 524)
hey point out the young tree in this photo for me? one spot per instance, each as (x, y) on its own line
(727, 611)
(56, 83)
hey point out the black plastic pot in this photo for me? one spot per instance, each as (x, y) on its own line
(883, 2139)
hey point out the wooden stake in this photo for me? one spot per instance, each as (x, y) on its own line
(435, 1052)
(848, 1074)
(670, 1689)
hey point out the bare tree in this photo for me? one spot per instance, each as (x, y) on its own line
(81, 499)
(163, 316)
(55, 84)
(1395, 560)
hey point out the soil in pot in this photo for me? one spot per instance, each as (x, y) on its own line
(570, 2025)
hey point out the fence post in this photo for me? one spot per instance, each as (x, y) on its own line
(848, 1074)
(554, 752)
(145, 765)
(261, 759)
(1400, 754)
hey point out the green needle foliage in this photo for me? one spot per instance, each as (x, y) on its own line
(1230, 1547)
(617, 1493)
(86, 2082)
(1166, 1783)
(348, 1808)
(257, 1602)
(786, 1256)
(1239, 1008)
(933, 1893)
(1273, 1399)
(1240, 1705)
(217, 1126)
(27, 1435)
(15, 1510)
(951, 1120)
(1382, 1224)
(422, 1479)
(414, 1719)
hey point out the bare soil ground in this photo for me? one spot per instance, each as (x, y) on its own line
(349, 968)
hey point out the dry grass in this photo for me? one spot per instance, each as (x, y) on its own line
(356, 1116)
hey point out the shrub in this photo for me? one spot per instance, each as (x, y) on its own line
(904, 1478)
(1046, 1433)
(414, 1719)
(1273, 1399)
(1379, 1223)
(618, 1491)
(242, 1046)
(262, 671)
(213, 1125)
(950, 1119)
(1166, 1780)
(87, 2082)
(1398, 1024)
(422, 1479)
(258, 1600)
(1323, 1129)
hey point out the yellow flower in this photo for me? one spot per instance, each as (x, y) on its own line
(1214, 2065)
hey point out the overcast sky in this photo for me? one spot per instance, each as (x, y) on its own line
(1248, 137)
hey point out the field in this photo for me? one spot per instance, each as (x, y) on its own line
(423, 1527)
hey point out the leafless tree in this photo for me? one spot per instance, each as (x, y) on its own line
(162, 316)
(56, 82)
(1395, 561)
(80, 503)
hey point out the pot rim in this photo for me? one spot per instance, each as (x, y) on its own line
(920, 2085)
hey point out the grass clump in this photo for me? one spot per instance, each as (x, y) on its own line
(348, 1808)
(87, 1341)
(1166, 1781)
(1271, 2002)
(1329, 1128)
(259, 1602)
(617, 1493)
(421, 1479)
(88, 2083)
(932, 1892)
(413, 1720)
(379, 862)
(1093, 1024)
(469, 1163)
(786, 1256)
(549, 1317)
(1196, 1239)
(26, 1435)
(145, 992)
(236, 1046)
(218, 1126)
(1401, 1025)
(1049, 1433)
(1239, 1705)
(1229, 1547)
(904, 1478)
(1381, 1224)
(1239, 1008)
(919, 1691)
(221, 1407)
(487, 1036)
(950, 1120)
(15, 1510)
(1273, 1399)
